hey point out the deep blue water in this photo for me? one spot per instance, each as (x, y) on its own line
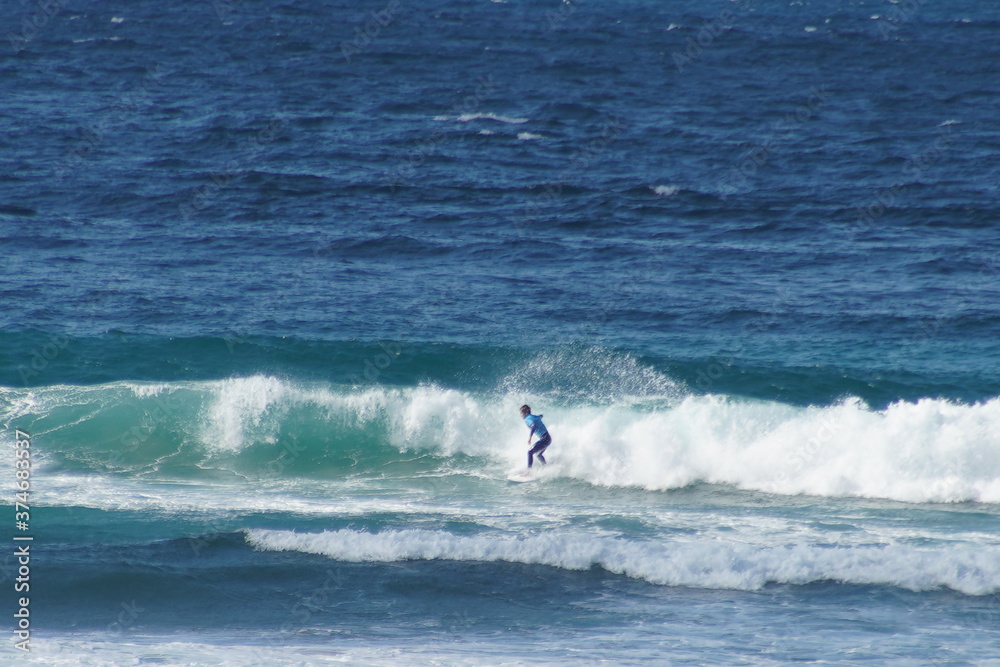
(276, 276)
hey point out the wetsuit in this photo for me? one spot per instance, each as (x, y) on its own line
(534, 422)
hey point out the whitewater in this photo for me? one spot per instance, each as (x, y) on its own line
(930, 450)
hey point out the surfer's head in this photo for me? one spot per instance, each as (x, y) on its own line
(525, 410)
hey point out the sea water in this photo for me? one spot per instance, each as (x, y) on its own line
(277, 277)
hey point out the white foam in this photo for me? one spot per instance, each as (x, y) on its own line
(666, 190)
(281, 646)
(641, 432)
(232, 649)
(528, 136)
(468, 117)
(592, 376)
(696, 563)
(250, 410)
(241, 404)
(928, 451)
(147, 390)
(924, 451)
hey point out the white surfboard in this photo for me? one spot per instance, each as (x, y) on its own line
(525, 476)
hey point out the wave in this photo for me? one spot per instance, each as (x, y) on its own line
(968, 569)
(467, 117)
(648, 433)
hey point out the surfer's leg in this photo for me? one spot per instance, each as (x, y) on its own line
(535, 450)
(540, 447)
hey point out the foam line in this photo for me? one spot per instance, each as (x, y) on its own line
(707, 563)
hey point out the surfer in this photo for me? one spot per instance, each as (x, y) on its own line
(534, 422)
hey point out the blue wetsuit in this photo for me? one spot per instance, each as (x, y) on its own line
(534, 422)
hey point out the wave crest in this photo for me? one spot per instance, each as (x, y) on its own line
(969, 569)
(651, 436)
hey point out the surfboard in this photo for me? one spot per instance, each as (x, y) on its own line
(525, 476)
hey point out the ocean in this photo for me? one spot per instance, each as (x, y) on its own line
(277, 276)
